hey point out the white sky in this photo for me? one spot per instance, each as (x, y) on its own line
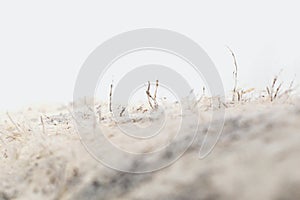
(43, 44)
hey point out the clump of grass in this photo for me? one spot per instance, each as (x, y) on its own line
(290, 89)
(275, 90)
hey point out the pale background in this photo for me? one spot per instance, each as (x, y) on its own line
(44, 44)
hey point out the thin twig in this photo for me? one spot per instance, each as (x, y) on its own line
(155, 93)
(292, 84)
(98, 108)
(235, 73)
(122, 112)
(149, 95)
(268, 91)
(202, 96)
(273, 87)
(277, 91)
(2, 140)
(110, 97)
(42, 121)
(12, 121)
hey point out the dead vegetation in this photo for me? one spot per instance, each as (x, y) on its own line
(152, 99)
(238, 93)
(110, 97)
(58, 124)
(276, 91)
(206, 102)
(235, 75)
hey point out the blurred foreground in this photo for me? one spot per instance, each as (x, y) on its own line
(257, 157)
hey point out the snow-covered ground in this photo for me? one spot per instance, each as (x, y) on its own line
(257, 157)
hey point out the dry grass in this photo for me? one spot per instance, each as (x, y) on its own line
(237, 93)
(110, 97)
(235, 75)
(152, 99)
(276, 91)
(69, 173)
(72, 173)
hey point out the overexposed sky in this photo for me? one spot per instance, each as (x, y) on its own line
(43, 44)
